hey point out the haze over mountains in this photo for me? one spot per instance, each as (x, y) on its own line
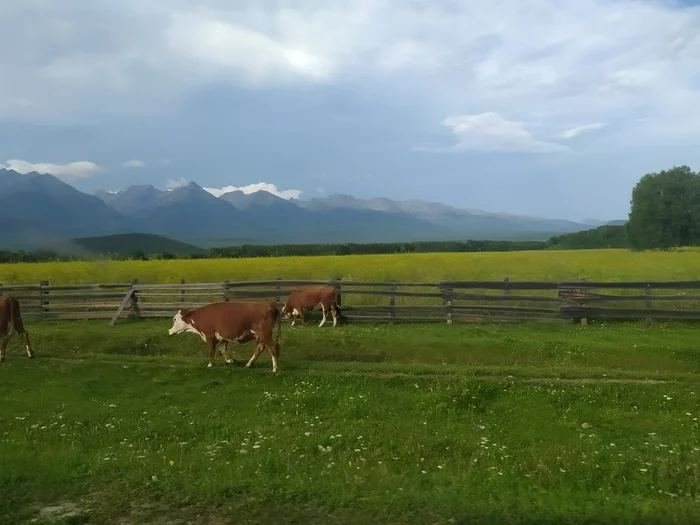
(38, 209)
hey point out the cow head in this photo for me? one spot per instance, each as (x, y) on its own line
(179, 323)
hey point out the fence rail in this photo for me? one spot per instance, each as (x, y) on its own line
(444, 301)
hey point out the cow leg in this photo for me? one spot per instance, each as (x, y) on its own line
(271, 347)
(27, 345)
(334, 313)
(224, 353)
(212, 351)
(256, 353)
(244, 338)
(3, 347)
(323, 321)
(24, 336)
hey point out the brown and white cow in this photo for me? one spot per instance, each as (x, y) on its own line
(311, 298)
(11, 321)
(226, 322)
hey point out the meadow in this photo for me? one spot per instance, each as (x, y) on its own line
(605, 265)
(363, 424)
(528, 424)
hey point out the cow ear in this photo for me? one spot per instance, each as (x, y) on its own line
(184, 311)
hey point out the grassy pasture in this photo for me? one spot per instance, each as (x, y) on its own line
(363, 424)
(604, 265)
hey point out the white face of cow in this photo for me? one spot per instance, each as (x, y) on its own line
(179, 324)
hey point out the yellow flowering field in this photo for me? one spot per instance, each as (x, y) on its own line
(605, 265)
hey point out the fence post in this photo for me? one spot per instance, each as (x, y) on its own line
(43, 298)
(338, 295)
(278, 297)
(392, 300)
(584, 320)
(0, 289)
(647, 291)
(87, 304)
(134, 310)
(182, 292)
(447, 301)
(506, 289)
(227, 287)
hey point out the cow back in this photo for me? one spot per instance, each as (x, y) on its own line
(232, 319)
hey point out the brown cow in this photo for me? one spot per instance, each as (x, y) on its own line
(311, 298)
(226, 322)
(11, 321)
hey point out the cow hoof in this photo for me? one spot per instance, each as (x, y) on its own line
(31, 356)
(229, 361)
(209, 365)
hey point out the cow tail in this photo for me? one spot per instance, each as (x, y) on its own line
(279, 329)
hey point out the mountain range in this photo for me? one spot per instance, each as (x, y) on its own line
(39, 209)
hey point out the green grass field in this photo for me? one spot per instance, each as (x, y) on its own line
(363, 424)
(606, 265)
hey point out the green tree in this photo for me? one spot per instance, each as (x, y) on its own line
(138, 255)
(665, 210)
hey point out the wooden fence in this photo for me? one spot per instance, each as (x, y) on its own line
(446, 301)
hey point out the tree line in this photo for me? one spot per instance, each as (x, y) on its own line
(247, 251)
(665, 210)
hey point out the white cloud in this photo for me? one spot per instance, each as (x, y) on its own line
(73, 170)
(134, 164)
(607, 60)
(492, 132)
(573, 132)
(222, 44)
(171, 184)
(252, 188)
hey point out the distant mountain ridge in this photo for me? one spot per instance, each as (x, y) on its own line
(41, 209)
(123, 244)
(443, 214)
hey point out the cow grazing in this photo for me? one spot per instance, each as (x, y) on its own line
(311, 298)
(226, 322)
(11, 321)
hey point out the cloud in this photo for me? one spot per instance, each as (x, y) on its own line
(220, 44)
(73, 170)
(603, 60)
(348, 87)
(171, 184)
(573, 132)
(252, 188)
(133, 164)
(491, 132)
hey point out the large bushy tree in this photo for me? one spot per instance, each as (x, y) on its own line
(665, 210)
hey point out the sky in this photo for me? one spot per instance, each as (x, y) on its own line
(547, 107)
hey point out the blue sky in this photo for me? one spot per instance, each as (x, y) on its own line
(547, 107)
